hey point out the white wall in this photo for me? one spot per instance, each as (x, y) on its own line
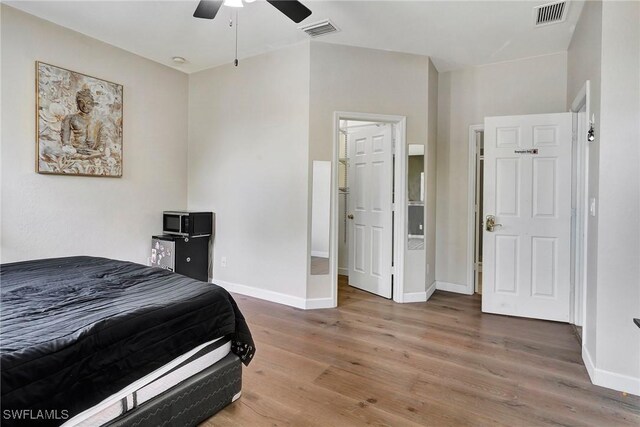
(465, 97)
(47, 216)
(618, 301)
(248, 162)
(584, 63)
(345, 78)
(605, 49)
(250, 118)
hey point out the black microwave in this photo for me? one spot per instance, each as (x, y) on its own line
(185, 223)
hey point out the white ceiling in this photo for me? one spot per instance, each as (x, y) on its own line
(454, 33)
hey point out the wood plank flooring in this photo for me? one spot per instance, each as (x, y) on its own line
(374, 362)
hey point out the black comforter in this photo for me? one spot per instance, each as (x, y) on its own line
(75, 330)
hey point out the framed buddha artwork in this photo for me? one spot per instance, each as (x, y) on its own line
(78, 123)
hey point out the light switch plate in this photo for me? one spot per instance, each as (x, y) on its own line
(592, 206)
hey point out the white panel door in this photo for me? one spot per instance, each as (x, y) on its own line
(370, 181)
(527, 188)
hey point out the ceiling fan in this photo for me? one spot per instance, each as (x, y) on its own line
(296, 11)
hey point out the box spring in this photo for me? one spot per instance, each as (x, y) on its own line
(191, 401)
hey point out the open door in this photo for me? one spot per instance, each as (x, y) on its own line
(527, 216)
(370, 221)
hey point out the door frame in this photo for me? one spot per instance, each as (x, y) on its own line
(399, 209)
(579, 290)
(471, 211)
(578, 297)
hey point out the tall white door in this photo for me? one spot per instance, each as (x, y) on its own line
(527, 191)
(370, 181)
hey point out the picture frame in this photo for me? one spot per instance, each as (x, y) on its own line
(79, 123)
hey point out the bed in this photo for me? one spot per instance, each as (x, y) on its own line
(94, 341)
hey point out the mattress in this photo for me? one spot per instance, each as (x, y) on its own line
(78, 330)
(153, 384)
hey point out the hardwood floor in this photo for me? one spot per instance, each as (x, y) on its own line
(443, 362)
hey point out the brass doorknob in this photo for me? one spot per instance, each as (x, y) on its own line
(350, 216)
(491, 223)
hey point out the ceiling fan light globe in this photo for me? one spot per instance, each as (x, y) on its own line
(233, 3)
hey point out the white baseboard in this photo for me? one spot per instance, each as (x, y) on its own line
(608, 379)
(452, 287)
(588, 363)
(320, 254)
(343, 271)
(619, 382)
(277, 297)
(317, 303)
(414, 297)
(419, 296)
(431, 289)
(264, 294)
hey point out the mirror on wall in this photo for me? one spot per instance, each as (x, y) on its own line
(415, 199)
(320, 217)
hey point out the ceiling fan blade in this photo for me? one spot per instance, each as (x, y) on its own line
(207, 9)
(295, 10)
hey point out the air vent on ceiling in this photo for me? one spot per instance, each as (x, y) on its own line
(551, 13)
(319, 28)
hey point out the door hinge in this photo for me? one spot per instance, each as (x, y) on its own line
(393, 207)
(393, 270)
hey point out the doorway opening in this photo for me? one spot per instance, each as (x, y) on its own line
(527, 215)
(348, 129)
(475, 209)
(365, 187)
(368, 198)
(479, 173)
